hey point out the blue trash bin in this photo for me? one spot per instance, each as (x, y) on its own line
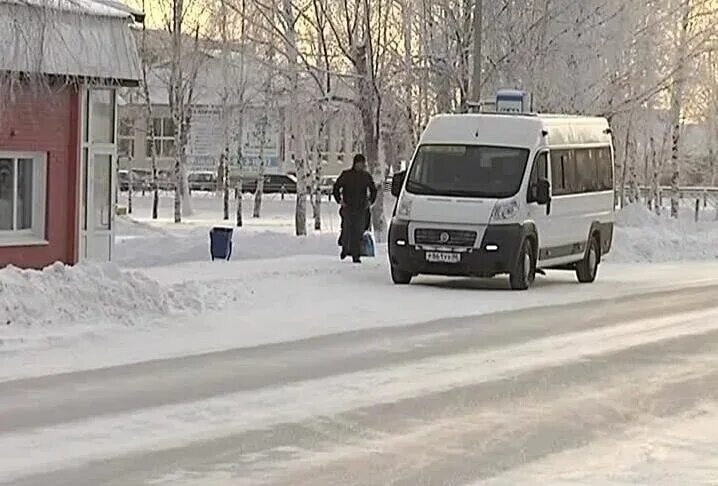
(220, 243)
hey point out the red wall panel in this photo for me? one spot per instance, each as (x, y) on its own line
(47, 120)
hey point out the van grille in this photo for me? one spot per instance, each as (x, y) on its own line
(426, 236)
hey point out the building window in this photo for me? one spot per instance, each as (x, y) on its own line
(164, 141)
(22, 197)
(102, 110)
(126, 138)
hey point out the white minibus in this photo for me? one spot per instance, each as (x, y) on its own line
(490, 194)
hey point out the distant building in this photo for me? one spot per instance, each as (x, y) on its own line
(61, 64)
(257, 127)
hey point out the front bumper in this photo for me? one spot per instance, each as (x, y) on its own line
(478, 261)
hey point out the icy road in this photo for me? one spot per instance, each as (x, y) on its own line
(612, 391)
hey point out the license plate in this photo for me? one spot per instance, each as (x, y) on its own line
(439, 257)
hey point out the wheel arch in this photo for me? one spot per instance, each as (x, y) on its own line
(603, 232)
(530, 232)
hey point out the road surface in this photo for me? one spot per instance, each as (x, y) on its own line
(498, 399)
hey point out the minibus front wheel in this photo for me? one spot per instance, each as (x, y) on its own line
(400, 277)
(524, 272)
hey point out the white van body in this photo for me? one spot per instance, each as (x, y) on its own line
(442, 226)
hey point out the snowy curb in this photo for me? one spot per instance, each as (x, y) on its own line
(88, 292)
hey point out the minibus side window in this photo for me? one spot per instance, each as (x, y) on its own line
(538, 171)
(558, 160)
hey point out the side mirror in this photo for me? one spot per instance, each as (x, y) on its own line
(397, 182)
(543, 191)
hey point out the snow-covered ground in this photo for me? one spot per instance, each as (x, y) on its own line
(676, 450)
(167, 299)
(163, 299)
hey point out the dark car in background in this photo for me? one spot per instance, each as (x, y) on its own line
(326, 185)
(141, 179)
(273, 183)
(123, 180)
(205, 180)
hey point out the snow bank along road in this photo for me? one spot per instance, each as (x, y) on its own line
(499, 398)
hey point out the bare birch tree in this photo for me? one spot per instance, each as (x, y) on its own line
(677, 89)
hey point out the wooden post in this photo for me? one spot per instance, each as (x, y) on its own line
(705, 198)
(698, 208)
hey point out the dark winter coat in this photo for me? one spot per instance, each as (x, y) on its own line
(356, 189)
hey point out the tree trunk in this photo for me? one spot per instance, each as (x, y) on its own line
(477, 37)
(155, 190)
(129, 187)
(300, 213)
(676, 108)
(259, 191)
(150, 127)
(184, 187)
(624, 166)
(186, 192)
(239, 203)
(176, 101)
(369, 109)
(654, 177)
(178, 193)
(371, 144)
(409, 80)
(223, 178)
(226, 184)
(317, 202)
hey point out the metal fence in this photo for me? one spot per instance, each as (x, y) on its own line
(702, 200)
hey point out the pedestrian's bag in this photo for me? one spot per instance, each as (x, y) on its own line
(367, 245)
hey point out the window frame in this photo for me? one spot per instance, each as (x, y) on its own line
(414, 168)
(160, 139)
(128, 138)
(530, 196)
(36, 234)
(563, 157)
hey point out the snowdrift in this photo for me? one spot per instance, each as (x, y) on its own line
(644, 237)
(91, 292)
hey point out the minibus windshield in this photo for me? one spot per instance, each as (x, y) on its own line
(467, 171)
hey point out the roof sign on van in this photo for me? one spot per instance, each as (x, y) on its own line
(511, 101)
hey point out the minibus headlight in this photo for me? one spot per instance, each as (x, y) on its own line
(504, 211)
(404, 209)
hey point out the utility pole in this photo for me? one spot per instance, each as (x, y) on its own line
(478, 31)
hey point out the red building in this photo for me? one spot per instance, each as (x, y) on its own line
(58, 83)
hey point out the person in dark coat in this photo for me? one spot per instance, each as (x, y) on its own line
(355, 192)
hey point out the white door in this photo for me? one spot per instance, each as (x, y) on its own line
(99, 210)
(540, 214)
(98, 175)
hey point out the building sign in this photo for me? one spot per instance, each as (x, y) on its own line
(261, 142)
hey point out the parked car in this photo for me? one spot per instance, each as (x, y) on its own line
(123, 180)
(205, 180)
(273, 183)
